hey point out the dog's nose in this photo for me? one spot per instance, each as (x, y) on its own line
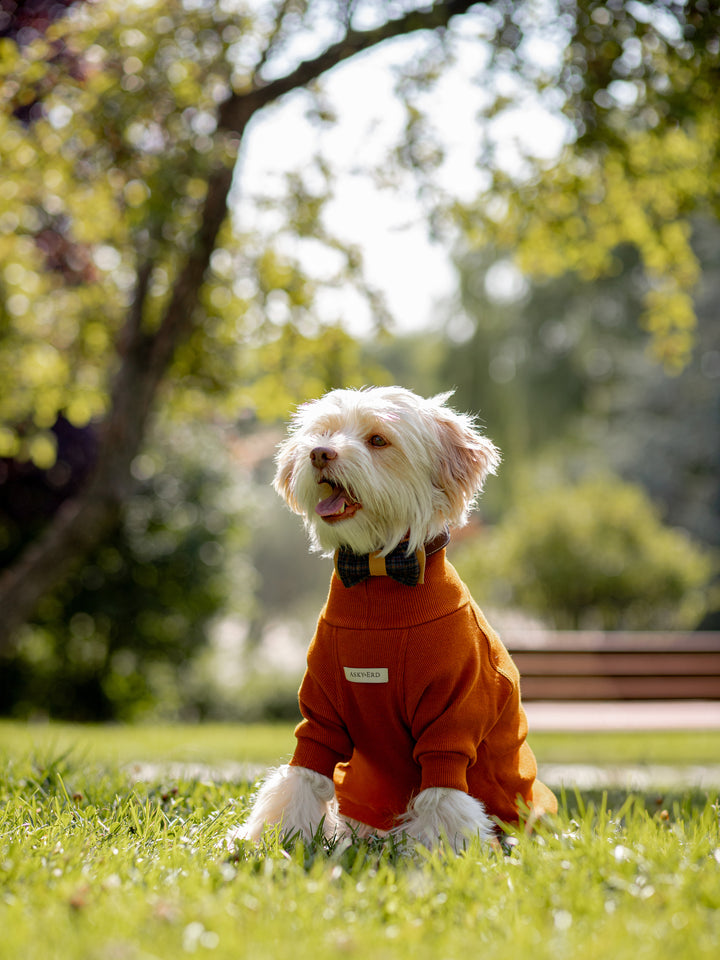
(321, 455)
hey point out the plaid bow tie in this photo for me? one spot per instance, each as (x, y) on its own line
(353, 568)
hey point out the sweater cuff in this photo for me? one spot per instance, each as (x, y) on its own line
(444, 770)
(315, 756)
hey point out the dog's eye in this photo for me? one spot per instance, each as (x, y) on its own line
(377, 441)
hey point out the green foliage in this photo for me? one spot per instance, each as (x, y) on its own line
(116, 869)
(558, 369)
(642, 157)
(109, 132)
(108, 137)
(574, 218)
(110, 170)
(111, 129)
(594, 555)
(120, 638)
(292, 367)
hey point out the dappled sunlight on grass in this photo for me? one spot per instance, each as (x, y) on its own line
(120, 870)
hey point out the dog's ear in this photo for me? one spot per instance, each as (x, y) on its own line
(465, 459)
(283, 480)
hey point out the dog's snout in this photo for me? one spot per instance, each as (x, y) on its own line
(321, 455)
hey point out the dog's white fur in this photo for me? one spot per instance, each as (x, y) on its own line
(301, 800)
(424, 476)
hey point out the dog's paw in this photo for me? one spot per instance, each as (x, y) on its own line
(298, 799)
(443, 815)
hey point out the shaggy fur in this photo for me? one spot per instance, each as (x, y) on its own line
(364, 469)
(425, 477)
(301, 799)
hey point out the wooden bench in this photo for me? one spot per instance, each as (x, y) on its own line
(589, 665)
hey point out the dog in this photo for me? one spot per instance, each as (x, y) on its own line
(412, 721)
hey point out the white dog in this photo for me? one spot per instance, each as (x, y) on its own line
(412, 717)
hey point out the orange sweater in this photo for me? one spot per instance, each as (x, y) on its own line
(408, 688)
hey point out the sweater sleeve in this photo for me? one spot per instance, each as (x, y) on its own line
(322, 738)
(454, 695)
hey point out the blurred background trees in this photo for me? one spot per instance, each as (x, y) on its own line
(568, 376)
(592, 555)
(150, 343)
(119, 636)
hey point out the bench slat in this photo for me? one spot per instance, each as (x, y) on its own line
(620, 688)
(592, 665)
(551, 663)
(624, 641)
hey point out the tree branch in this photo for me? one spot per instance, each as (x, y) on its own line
(235, 109)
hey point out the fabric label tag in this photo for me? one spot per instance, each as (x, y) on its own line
(366, 674)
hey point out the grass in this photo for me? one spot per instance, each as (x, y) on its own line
(94, 865)
(266, 743)
(211, 743)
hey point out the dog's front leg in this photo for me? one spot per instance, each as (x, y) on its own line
(442, 814)
(298, 799)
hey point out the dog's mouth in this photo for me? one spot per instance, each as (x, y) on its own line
(337, 503)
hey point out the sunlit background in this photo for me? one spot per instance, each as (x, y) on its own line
(521, 207)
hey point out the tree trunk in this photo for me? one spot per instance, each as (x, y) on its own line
(82, 522)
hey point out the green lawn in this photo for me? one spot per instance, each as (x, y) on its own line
(96, 865)
(271, 743)
(213, 743)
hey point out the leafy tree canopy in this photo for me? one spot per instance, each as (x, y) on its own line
(559, 370)
(109, 137)
(123, 280)
(635, 80)
(594, 555)
(117, 117)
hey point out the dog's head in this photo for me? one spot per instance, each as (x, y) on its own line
(365, 467)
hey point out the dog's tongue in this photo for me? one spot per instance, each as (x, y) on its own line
(335, 503)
